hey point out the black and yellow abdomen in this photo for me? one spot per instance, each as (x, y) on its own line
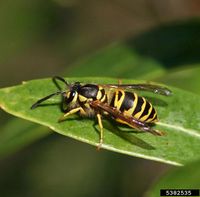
(132, 105)
(129, 103)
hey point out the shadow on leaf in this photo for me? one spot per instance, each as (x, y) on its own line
(126, 135)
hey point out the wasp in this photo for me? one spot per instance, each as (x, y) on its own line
(117, 101)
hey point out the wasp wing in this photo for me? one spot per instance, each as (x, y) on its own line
(143, 86)
(121, 118)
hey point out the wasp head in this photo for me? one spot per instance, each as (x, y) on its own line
(72, 95)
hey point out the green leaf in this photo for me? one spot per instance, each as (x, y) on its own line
(178, 114)
(187, 177)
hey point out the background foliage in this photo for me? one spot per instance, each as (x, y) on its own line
(150, 41)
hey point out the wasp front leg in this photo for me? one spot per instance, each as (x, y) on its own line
(72, 111)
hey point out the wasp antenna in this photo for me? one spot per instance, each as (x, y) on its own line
(61, 79)
(44, 99)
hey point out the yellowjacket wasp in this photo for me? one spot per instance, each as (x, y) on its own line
(113, 100)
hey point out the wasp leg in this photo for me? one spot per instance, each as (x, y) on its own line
(119, 82)
(73, 111)
(101, 131)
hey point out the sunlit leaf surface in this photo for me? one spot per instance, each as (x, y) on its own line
(179, 118)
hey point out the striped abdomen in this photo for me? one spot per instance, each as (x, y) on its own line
(133, 105)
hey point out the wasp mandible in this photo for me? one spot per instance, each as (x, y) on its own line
(114, 100)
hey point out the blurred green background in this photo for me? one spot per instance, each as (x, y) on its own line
(43, 38)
